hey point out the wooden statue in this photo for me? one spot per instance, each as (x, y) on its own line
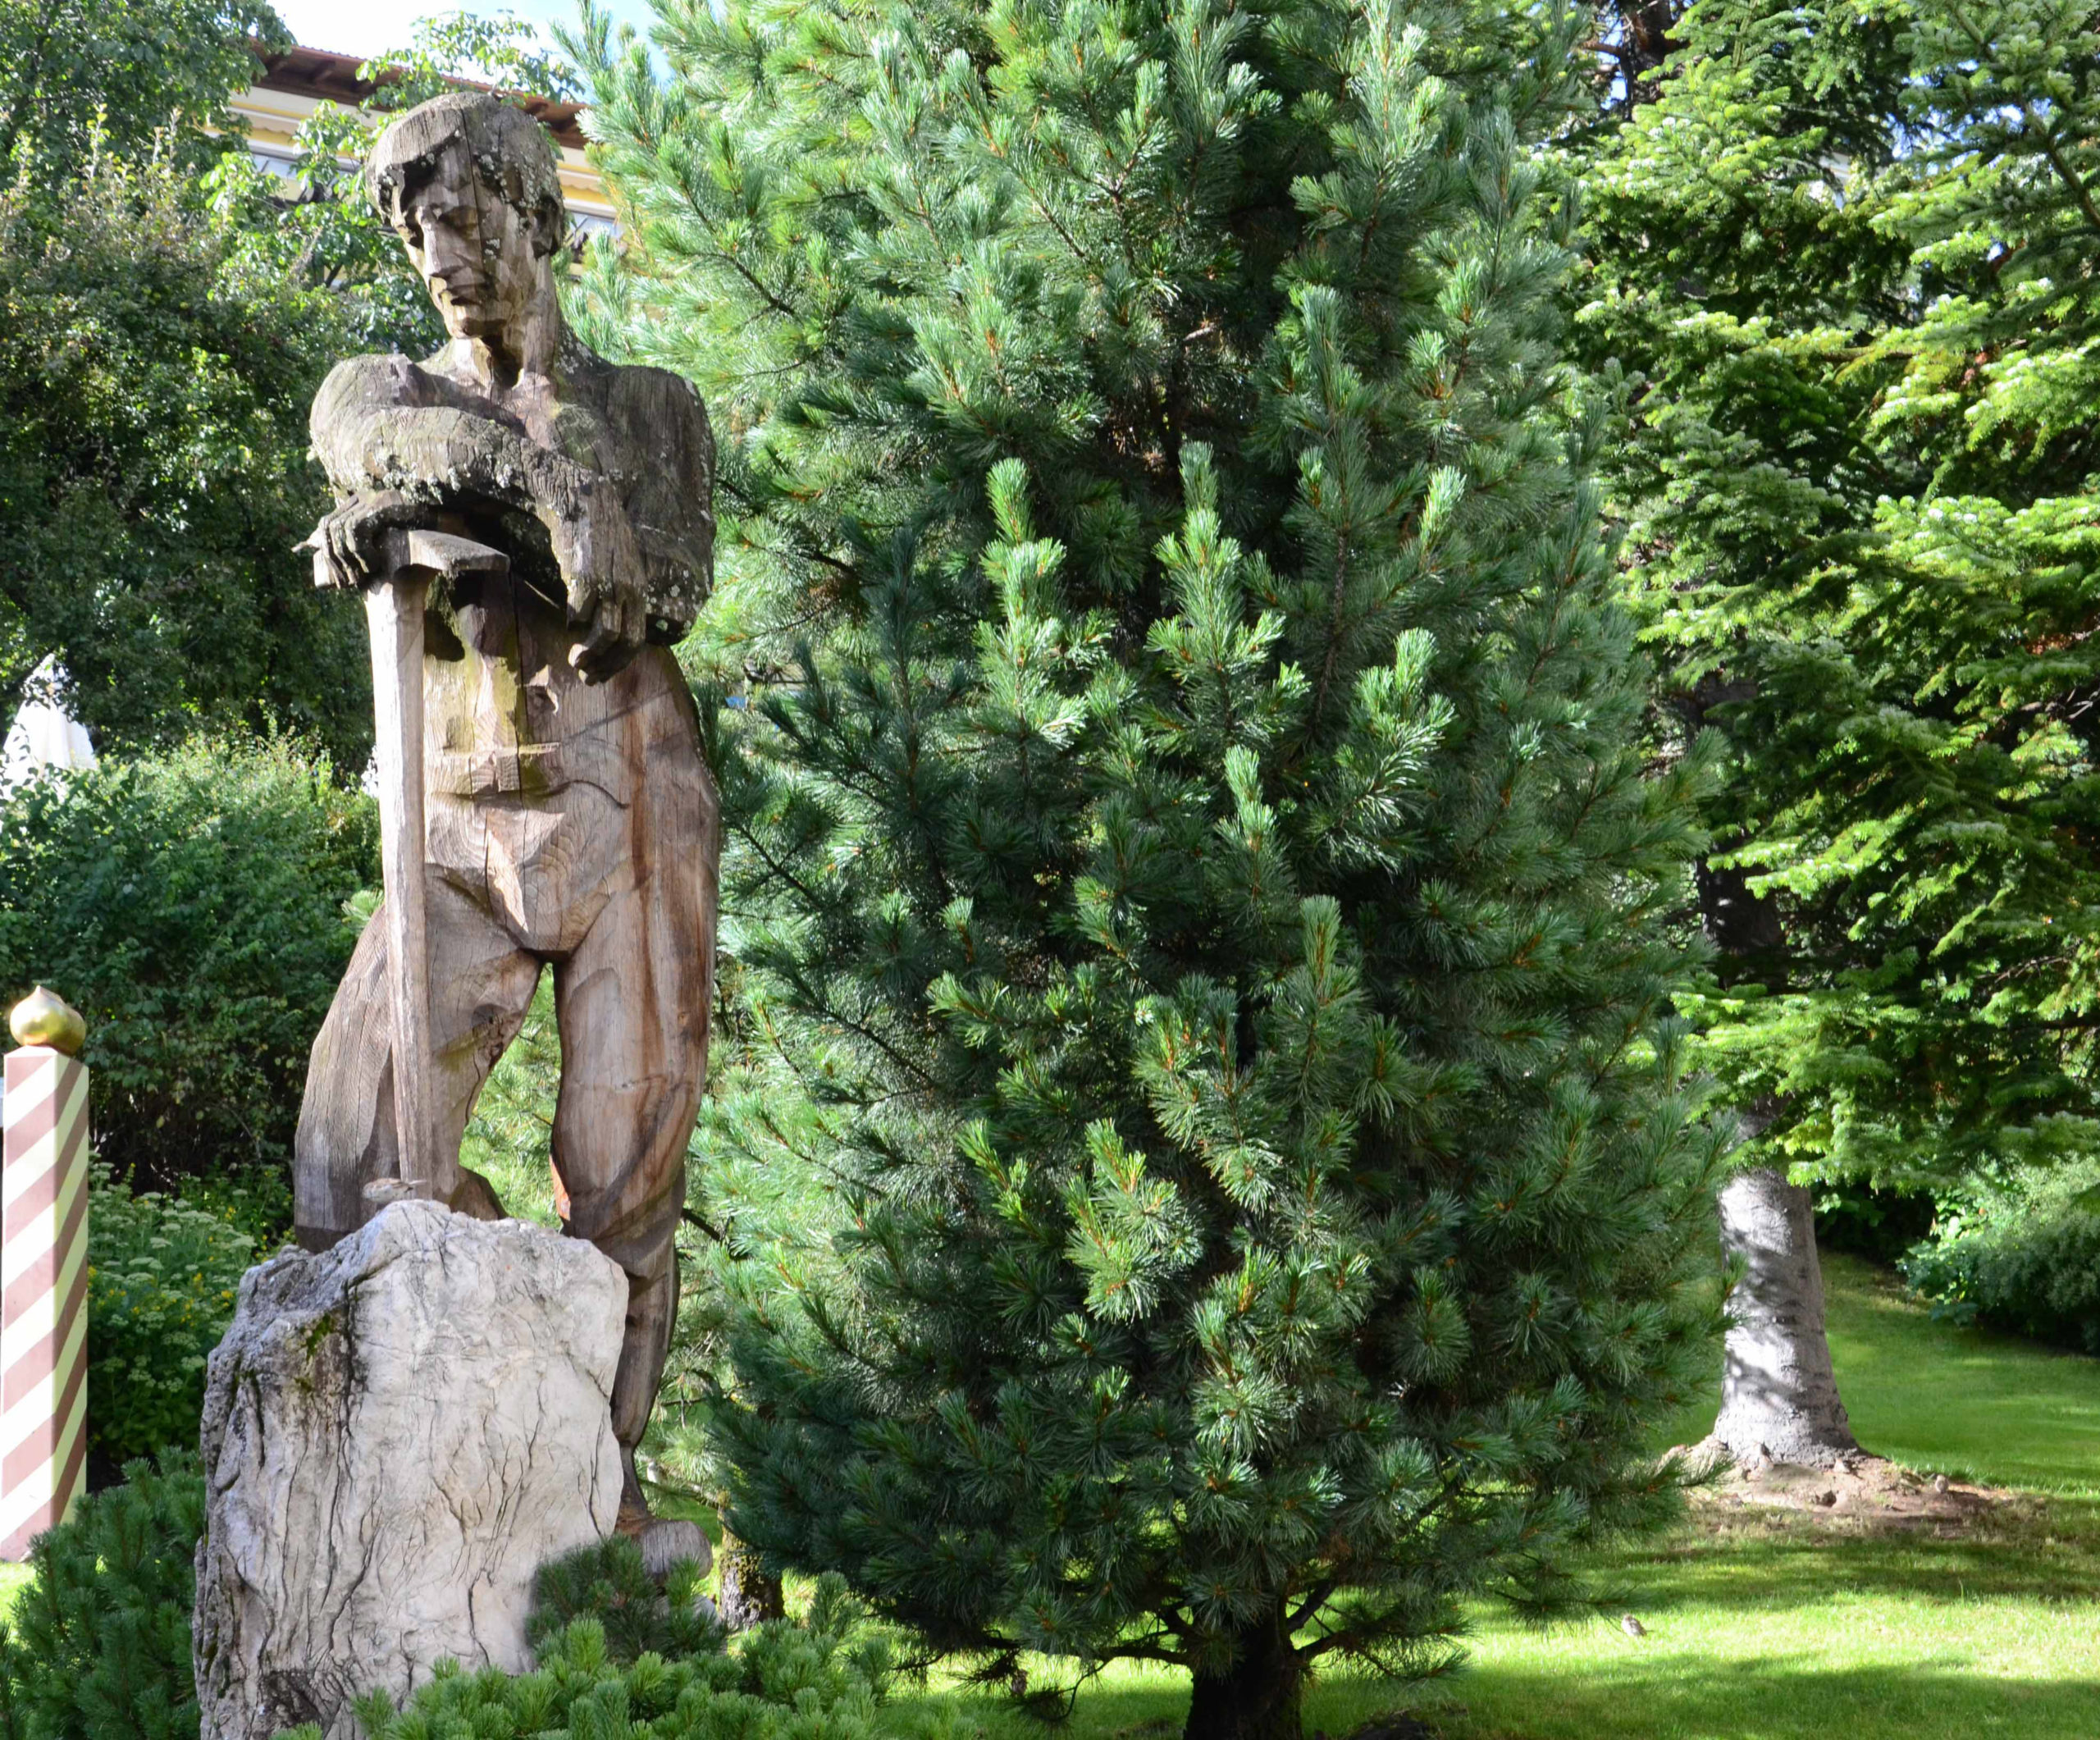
(567, 816)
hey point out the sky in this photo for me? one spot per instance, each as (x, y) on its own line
(366, 27)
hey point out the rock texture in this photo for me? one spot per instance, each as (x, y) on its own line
(397, 1434)
(1779, 1401)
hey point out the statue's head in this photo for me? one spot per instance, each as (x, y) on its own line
(469, 185)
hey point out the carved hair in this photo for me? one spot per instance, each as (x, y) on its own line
(510, 152)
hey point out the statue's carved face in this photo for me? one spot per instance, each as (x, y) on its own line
(473, 248)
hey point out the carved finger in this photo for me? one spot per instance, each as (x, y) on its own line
(602, 637)
(585, 599)
(634, 624)
(368, 537)
(343, 558)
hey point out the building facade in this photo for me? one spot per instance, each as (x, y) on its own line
(293, 85)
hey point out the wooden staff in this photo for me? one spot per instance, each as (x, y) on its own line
(394, 610)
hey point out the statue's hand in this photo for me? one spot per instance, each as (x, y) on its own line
(608, 600)
(353, 538)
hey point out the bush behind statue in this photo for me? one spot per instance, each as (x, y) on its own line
(192, 905)
(163, 1275)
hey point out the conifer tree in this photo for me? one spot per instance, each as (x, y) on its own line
(1847, 255)
(1196, 1156)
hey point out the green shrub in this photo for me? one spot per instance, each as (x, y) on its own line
(819, 1679)
(162, 1276)
(2023, 1256)
(254, 1200)
(98, 1646)
(192, 906)
(608, 1583)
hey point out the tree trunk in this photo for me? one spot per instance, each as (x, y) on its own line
(1260, 1696)
(1743, 926)
(1779, 1395)
(748, 1596)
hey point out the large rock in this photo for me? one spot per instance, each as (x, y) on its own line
(397, 1434)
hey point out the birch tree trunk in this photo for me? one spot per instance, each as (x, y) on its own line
(1779, 1393)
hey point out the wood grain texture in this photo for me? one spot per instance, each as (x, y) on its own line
(545, 799)
(393, 611)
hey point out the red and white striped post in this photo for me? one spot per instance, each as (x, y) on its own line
(43, 1273)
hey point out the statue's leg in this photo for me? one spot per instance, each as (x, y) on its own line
(632, 1001)
(482, 985)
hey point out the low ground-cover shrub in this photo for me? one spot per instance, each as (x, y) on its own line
(820, 1678)
(192, 906)
(609, 1584)
(98, 1645)
(163, 1275)
(2023, 1256)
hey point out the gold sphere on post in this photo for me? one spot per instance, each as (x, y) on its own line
(44, 1018)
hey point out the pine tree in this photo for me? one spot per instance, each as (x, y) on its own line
(1848, 256)
(97, 1645)
(1199, 1174)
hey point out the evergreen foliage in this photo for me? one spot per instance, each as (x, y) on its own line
(192, 906)
(1199, 1172)
(818, 1679)
(96, 1647)
(1848, 256)
(609, 1584)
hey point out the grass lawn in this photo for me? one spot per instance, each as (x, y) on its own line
(1779, 1633)
(1960, 1401)
(1771, 1630)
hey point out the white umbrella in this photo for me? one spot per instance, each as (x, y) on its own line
(44, 734)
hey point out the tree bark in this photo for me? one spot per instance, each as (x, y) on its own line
(1779, 1395)
(748, 1594)
(1743, 926)
(1259, 1697)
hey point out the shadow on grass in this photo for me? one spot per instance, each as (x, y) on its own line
(1677, 1696)
(1760, 1698)
(1149, 1704)
(2028, 1550)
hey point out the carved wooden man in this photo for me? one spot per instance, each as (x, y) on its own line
(570, 818)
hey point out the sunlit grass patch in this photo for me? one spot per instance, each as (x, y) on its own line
(1780, 1629)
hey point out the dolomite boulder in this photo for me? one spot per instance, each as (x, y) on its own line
(397, 1434)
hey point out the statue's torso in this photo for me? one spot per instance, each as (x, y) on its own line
(541, 787)
(505, 713)
(547, 796)
(641, 429)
